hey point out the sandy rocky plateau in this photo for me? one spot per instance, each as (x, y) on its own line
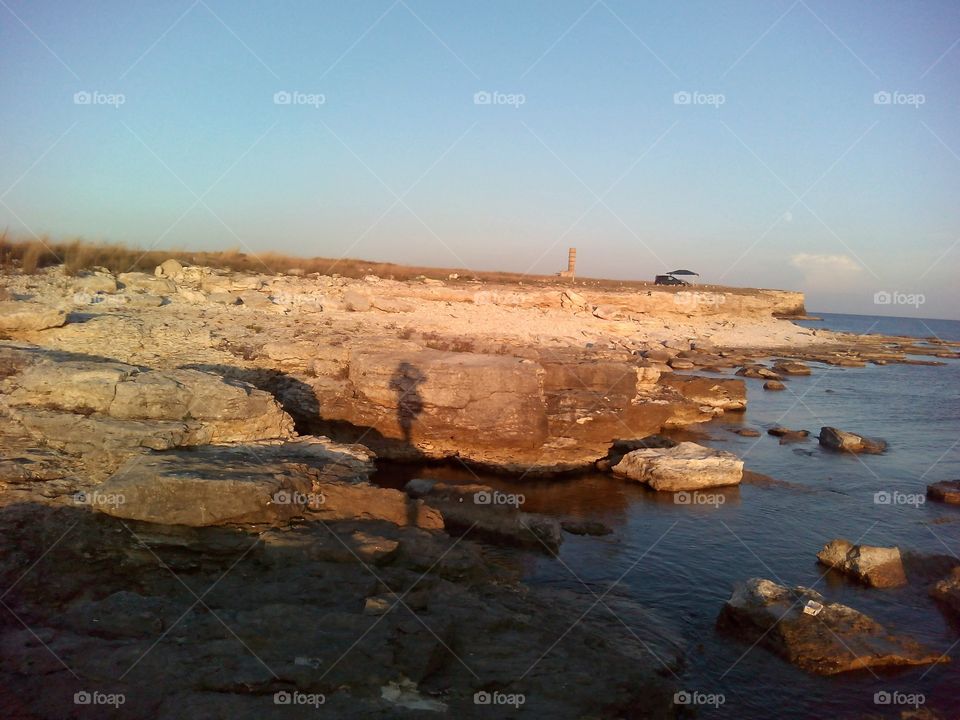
(185, 464)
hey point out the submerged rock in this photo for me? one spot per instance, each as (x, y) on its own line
(946, 491)
(947, 591)
(840, 440)
(879, 567)
(790, 367)
(487, 512)
(687, 466)
(774, 385)
(837, 639)
(787, 435)
(585, 527)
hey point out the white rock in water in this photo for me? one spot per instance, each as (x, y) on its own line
(688, 466)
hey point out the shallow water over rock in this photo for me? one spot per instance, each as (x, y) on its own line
(672, 560)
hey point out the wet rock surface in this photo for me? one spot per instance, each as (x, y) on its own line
(331, 612)
(946, 491)
(842, 441)
(880, 567)
(837, 639)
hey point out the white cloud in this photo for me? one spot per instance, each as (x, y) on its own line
(826, 269)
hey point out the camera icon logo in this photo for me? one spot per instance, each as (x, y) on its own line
(482, 498)
(282, 97)
(682, 98)
(682, 498)
(882, 697)
(482, 98)
(282, 697)
(482, 698)
(682, 698)
(82, 698)
(282, 497)
(882, 98)
(882, 298)
(82, 98)
(882, 498)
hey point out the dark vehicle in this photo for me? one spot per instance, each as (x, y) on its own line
(668, 280)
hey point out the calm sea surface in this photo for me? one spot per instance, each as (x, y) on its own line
(667, 568)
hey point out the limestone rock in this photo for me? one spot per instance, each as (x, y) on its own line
(727, 394)
(214, 409)
(837, 639)
(195, 297)
(486, 512)
(346, 501)
(391, 305)
(571, 300)
(834, 439)
(151, 284)
(688, 466)
(947, 591)
(946, 491)
(224, 298)
(356, 301)
(878, 567)
(227, 484)
(774, 385)
(171, 268)
(790, 367)
(95, 282)
(26, 316)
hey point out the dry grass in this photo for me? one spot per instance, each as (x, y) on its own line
(31, 255)
(28, 256)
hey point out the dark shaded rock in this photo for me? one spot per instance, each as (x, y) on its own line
(622, 447)
(585, 527)
(946, 491)
(842, 441)
(947, 591)
(787, 435)
(486, 512)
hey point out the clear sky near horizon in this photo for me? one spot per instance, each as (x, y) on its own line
(800, 144)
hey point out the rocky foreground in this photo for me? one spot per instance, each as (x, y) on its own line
(185, 464)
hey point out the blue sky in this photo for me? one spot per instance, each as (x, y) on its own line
(744, 139)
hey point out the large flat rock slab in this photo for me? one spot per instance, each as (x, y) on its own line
(27, 316)
(215, 485)
(686, 466)
(837, 639)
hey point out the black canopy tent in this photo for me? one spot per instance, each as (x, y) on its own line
(683, 272)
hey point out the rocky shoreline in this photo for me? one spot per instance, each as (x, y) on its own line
(185, 467)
